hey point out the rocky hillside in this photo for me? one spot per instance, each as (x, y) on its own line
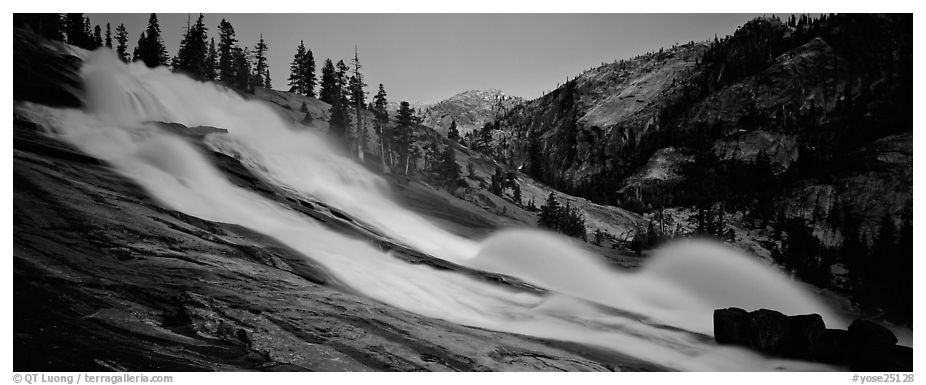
(470, 109)
(806, 120)
(813, 97)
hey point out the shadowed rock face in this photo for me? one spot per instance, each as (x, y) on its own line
(821, 101)
(107, 279)
(865, 346)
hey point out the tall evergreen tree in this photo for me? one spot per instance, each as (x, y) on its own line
(109, 37)
(137, 53)
(380, 110)
(151, 49)
(228, 52)
(88, 33)
(308, 73)
(328, 91)
(75, 29)
(339, 122)
(357, 101)
(296, 81)
(192, 56)
(122, 40)
(242, 69)
(548, 213)
(403, 133)
(448, 168)
(302, 72)
(97, 37)
(212, 58)
(259, 77)
(340, 79)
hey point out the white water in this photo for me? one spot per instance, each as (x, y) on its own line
(679, 287)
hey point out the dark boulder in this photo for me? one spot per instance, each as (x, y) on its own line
(832, 347)
(893, 358)
(804, 331)
(731, 326)
(866, 346)
(871, 335)
(768, 331)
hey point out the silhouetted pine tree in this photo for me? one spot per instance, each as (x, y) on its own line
(88, 32)
(357, 99)
(242, 69)
(77, 30)
(381, 112)
(403, 134)
(109, 37)
(341, 81)
(97, 37)
(122, 46)
(328, 90)
(212, 65)
(259, 78)
(302, 72)
(228, 53)
(192, 55)
(137, 53)
(150, 48)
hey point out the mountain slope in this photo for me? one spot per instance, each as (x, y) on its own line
(470, 109)
(803, 121)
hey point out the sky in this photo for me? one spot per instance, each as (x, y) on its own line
(425, 58)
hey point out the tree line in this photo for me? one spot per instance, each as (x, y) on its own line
(226, 61)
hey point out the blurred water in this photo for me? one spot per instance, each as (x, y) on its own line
(589, 302)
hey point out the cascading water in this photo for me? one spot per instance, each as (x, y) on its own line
(658, 314)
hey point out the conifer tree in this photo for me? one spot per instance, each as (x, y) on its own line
(122, 40)
(109, 37)
(242, 69)
(212, 58)
(192, 56)
(302, 72)
(357, 101)
(380, 110)
(259, 78)
(452, 132)
(97, 37)
(448, 168)
(150, 49)
(76, 29)
(341, 78)
(308, 73)
(228, 53)
(549, 212)
(339, 122)
(402, 138)
(328, 91)
(137, 53)
(88, 34)
(296, 82)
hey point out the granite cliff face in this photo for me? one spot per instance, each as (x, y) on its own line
(470, 109)
(826, 102)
